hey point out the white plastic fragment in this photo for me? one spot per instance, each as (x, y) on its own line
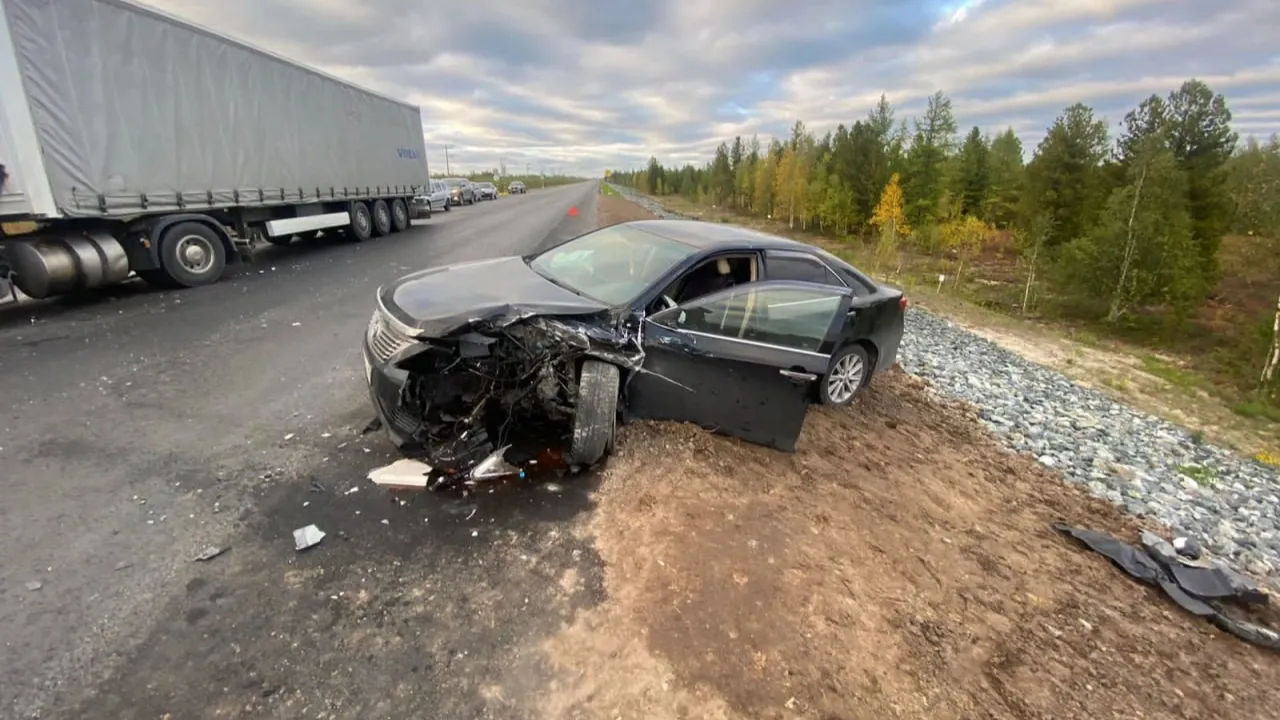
(305, 537)
(411, 474)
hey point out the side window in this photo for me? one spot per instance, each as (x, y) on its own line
(798, 266)
(796, 318)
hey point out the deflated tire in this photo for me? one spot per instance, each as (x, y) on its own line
(595, 419)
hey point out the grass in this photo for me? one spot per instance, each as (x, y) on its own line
(606, 189)
(1176, 376)
(1204, 476)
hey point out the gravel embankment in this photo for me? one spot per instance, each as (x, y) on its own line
(648, 204)
(1152, 468)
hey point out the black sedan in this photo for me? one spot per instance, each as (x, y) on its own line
(714, 324)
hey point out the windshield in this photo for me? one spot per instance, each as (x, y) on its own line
(613, 265)
(455, 183)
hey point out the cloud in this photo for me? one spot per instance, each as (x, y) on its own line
(577, 86)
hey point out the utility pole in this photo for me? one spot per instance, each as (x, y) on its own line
(447, 171)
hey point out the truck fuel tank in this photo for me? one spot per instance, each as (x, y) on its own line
(48, 265)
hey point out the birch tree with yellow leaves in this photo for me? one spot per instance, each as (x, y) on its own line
(891, 220)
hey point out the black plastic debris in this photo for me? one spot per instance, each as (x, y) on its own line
(1199, 589)
(374, 426)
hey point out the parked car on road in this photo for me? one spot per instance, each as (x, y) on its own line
(486, 191)
(516, 188)
(719, 325)
(461, 191)
(436, 199)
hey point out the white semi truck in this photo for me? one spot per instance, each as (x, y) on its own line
(136, 143)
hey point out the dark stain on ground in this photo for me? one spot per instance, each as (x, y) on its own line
(437, 612)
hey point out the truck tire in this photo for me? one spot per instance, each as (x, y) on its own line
(361, 227)
(381, 218)
(595, 419)
(191, 255)
(400, 215)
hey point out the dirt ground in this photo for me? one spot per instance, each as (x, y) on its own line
(900, 564)
(612, 209)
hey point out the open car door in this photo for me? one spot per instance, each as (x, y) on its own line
(742, 361)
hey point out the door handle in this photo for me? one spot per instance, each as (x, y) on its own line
(798, 377)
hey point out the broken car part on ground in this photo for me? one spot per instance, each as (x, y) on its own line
(722, 326)
(1197, 586)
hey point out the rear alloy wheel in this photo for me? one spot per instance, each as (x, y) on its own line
(400, 215)
(381, 218)
(848, 374)
(191, 254)
(596, 417)
(361, 222)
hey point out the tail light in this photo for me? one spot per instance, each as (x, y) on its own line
(902, 303)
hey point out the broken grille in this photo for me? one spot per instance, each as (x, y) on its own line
(384, 340)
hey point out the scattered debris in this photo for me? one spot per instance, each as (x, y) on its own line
(210, 553)
(407, 474)
(471, 514)
(495, 466)
(385, 521)
(316, 487)
(1187, 547)
(326, 435)
(290, 436)
(123, 565)
(1195, 586)
(306, 537)
(374, 426)
(34, 585)
(352, 489)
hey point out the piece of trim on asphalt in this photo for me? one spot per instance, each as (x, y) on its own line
(210, 553)
(305, 537)
(406, 474)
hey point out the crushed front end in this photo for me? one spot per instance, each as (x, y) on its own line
(455, 400)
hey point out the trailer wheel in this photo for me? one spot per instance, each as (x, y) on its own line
(191, 254)
(381, 218)
(400, 215)
(595, 419)
(361, 222)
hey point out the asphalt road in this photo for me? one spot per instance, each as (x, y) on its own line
(140, 427)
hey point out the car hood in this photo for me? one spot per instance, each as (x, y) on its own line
(443, 300)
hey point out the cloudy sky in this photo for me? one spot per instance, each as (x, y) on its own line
(577, 86)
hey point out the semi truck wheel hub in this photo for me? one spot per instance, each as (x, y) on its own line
(195, 253)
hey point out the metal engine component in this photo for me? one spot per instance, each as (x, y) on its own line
(54, 265)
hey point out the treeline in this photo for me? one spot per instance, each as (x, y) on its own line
(1116, 229)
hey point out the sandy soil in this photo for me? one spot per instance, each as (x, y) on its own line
(900, 564)
(612, 209)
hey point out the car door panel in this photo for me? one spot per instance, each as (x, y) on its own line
(729, 382)
(729, 387)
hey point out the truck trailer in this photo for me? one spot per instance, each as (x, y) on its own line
(136, 143)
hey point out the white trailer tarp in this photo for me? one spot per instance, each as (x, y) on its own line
(135, 110)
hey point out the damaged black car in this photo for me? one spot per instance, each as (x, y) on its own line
(732, 329)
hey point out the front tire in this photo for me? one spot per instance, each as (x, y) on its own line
(400, 215)
(191, 255)
(361, 227)
(595, 420)
(381, 218)
(848, 373)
